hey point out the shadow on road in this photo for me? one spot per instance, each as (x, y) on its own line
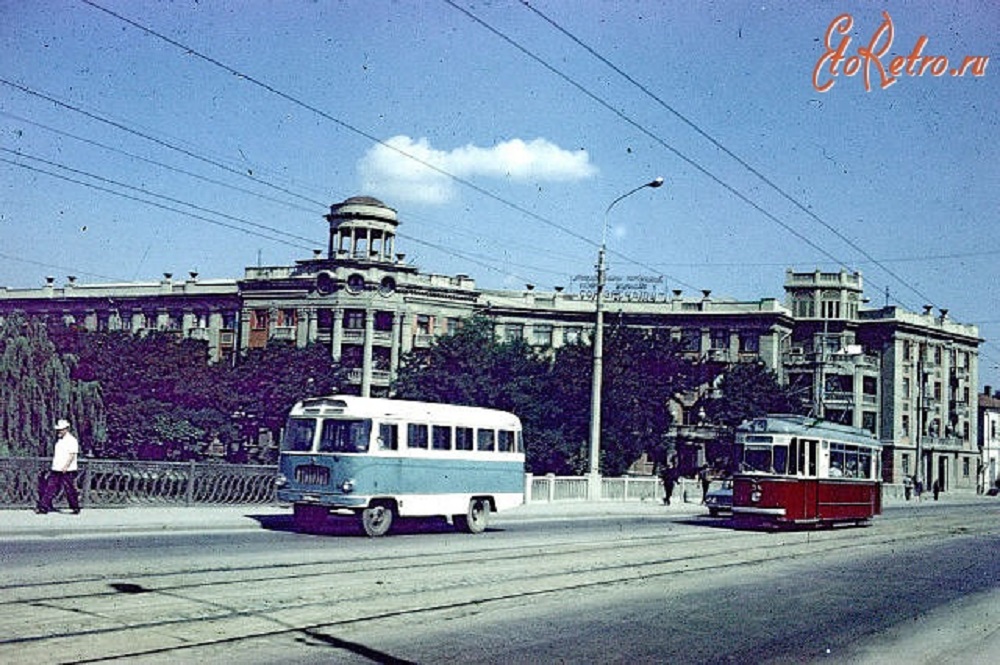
(348, 526)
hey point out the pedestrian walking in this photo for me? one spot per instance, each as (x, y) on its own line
(63, 472)
(907, 487)
(706, 479)
(936, 488)
(668, 476)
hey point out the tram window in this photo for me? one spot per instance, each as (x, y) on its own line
(865, 463)
(812, 455)
(780, 459)
(416, 436)
(794, 467)
(344, 436)
(463, 438)
(506, 441)
(441, 437)
(486, 440)
(298, 435)
(757, 459)
(388, 436)
(836, 461)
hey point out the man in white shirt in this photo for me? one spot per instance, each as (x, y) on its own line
(63, 474)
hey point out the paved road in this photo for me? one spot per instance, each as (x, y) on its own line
(598, 583)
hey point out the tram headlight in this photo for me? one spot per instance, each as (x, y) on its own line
(347, 486)
(280, 480)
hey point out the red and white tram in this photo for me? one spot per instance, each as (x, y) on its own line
(798, 471)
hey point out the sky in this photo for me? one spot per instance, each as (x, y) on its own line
(138, 138)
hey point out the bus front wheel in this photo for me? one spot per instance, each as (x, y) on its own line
(475, 518)
(377, 520)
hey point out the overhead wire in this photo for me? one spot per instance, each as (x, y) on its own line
(718, 144)
(365, 134)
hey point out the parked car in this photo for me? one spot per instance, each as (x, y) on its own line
(719, 498)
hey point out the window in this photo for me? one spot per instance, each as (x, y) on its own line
(463, 438)
(259, 319)
(354, 319)
(441, 437)
(423, 324)
(965, 467)
(573, 334)
(505, 441)
(749, 342)
(541, 334)
(344, 436)
(905, 463)
(298, 435)
(286, 318)
(486, 440)
(388, 436)
(513, 332)
(720, 338)
(452, 325)
(416, 436)
(691, 340)
(383, 321)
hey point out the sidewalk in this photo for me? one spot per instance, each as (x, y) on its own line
(98, 522)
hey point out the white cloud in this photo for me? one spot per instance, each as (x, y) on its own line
(404, 169)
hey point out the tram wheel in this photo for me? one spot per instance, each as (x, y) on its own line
(377, 520)
(475, 518)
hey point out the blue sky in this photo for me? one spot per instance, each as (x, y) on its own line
(533, 118)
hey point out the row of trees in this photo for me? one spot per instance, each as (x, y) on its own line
(644, 369)
(157, 397)
(149, 397)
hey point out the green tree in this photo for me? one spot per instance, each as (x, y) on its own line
(643, 370)
(37, 388)
(748, 390)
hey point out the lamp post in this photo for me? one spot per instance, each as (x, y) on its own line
(594, 489)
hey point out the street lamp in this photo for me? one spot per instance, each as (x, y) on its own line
(595, 389)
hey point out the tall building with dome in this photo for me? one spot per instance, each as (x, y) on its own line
(911, 378)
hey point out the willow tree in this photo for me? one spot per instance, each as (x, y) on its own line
(37, 388)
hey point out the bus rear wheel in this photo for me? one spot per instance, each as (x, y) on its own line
(377, 520)
(475, 518)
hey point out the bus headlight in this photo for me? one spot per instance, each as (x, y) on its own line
(347, 486)
(280, 480)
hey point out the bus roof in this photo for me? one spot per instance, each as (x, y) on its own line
(781, 423)
(374, 407)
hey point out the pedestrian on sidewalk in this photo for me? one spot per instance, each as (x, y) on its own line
(937, 488)
(63, 473)
(668, 476)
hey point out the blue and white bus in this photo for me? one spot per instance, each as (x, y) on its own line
(381, 458)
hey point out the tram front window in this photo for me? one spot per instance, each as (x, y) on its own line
(766, 460)
(298, 435)
(345, 436)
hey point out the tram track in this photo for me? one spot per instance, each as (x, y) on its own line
(189, 608)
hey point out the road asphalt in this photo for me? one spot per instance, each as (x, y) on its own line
(134, 519)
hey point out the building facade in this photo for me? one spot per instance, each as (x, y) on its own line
(989, 440)
(909, 378)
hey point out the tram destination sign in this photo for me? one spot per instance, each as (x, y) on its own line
(623, 288)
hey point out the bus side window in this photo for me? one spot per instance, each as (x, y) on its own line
(441, 437)
(506, 442)
(463, 438)
(486, 440)
(416, 436)
(388, 436)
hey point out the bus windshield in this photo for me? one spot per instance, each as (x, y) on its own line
(345, 436)
(298, 435)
